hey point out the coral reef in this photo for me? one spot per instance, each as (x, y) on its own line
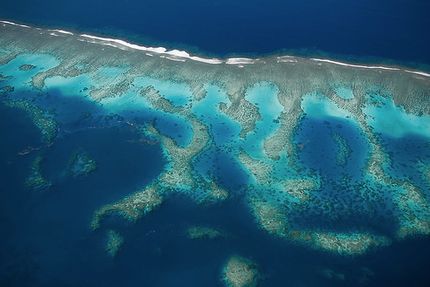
(35, 179)
(425, 171)
(6, 90)
(114, 242)
(344, 151)
(44, 122)
(157, 101)
(240, 272)
(279, 188)
(244, 112)
(26, 67)
(331, 274)
(80, 164)
(204, 232)
(132, 207)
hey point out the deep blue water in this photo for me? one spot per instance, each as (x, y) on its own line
(319, 149)
(389, 29)
(342, 183)
(406, 153)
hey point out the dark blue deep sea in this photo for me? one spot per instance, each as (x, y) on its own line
(394, 30)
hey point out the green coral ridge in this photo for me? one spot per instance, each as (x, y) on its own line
(240, 272)
(36, 180)
(114, 242)
(132, 207)
(204, 232)
(44, 122)
(81, 164)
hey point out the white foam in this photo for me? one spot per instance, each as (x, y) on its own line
(213, 61)
(354, 65)
(112, 45)
(371, 67)
(239, 61)
(62, 31)
(178, 53)
(103, 44)
(286, 59)
(15, 24)
(173, 58)
(124, 43)
(158, 50)
(418, 73)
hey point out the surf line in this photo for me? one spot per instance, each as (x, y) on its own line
(369, 67)
(177, 55)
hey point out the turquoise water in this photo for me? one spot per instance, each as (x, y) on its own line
(178, 94)
(345, 93)
(393, 121)
(320, 107)
(224, 131)
(263, 96)
(21, 78)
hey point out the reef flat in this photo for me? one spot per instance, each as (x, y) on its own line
(114, 241)
(204, 232)
(80, 164)
(45, 123)
(309, 145)
(240, 271)
(35, 179)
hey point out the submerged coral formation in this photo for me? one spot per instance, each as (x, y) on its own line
(132, 207)
(230, 129)
(114, 242)
(272, 219)
(44, 122)
(331, 274)
(35, 179)
(240, 272)
(204, 232)
(81, 164)
(425, 170)
(6, 89)
(344, 151)
(26, 67)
